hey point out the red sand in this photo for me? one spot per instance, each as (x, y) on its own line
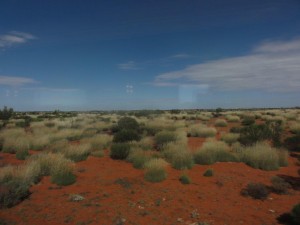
(217, 199)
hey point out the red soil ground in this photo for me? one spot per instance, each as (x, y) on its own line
(114, 189)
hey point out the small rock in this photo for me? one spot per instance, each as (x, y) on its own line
(76, 198)
(271, 210)
(180, 220)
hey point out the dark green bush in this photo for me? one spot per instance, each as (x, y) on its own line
(63, 179)
(164, 137)
(22, 154)
(292, 143)
(256, 191)
(279, 185)
(247, 121)
(13, 192)
(119, 150)
(126, 136)
(128, 123)
(235, 129)
(296, 213)
(184, 179)
(208, 173)
(254, 133)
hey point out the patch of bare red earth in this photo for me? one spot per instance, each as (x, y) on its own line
(114, 189)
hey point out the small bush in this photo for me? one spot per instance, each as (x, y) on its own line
(126, 136)
(208, 173)
(236, 130)
(296, 213)
(201, 131)
(128, 123)
(256, 191)
(63, 179)
(13, 145)
(233, 118)
(138, 158)
(220, 123)
(119, 150)
(22, 154)
(230, 138)
(178, 155)
(13, 192)
(77, 153)
(214, 151)
(164, 137)
(260, 156)
(155, 170)
(255, 133)
(247, 121)
(292, 143)
(185, 179)
(97, 153)
(279, 185)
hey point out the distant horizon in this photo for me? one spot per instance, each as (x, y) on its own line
(149, 54)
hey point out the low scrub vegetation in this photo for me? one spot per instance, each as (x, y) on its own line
(208, 173)
(164, 137)
(262, 156)
(138, 158)
(256, 191)
(201, 131)
(230, 138)
(185, 179)
(214, 151)
(119, 150)
(220, 123)
(155, 170)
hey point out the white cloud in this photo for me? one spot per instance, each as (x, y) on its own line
(130, 65)
(180, 56)
(15, 81)
(272, 66)
(14, 37)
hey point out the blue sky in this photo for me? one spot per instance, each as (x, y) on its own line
(129, 54)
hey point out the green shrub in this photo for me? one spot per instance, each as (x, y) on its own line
(256, 191)
(214, 151)
(247, 121)
(283, 157)
(13, 192)
(185, 179)
(164, 137)
(292, 143)
(260, 156)
(178, 155)
(13, 145)
(279, 185)
(119, 150)
(220, 123)
(22, 154)
(155, 170)
(138, 158)
(201, 131)
(77, 153)
(255, 133)
(126, 136)
(236, 130)
(296, 213)
(231, 118)
(127, 123)
(63, 179)
(230, 138)
(97, 153)
(208, 173)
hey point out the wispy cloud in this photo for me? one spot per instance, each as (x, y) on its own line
(14, 38)
(272, 66)
(180, 56)
(16, 81)
(130, 65)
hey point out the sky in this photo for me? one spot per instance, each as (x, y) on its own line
(150, 54)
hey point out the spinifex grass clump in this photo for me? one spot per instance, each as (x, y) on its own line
(155, 170)
(77, 152)
(261, 156)
(213, 151)
(138, 158)
(232, 118)
(230, 138)
(119, 150)
(178, 155)
(279, 185)
(164, 137)
(201, 131)
(220, 123)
